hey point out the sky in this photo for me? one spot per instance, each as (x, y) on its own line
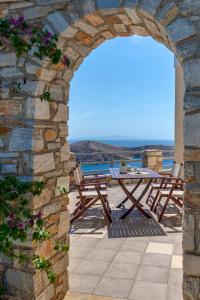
(124, 88)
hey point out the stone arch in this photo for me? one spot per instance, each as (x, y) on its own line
(33, 133)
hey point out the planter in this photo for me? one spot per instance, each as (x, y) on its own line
(123, 169)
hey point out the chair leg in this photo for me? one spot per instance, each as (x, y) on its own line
(159, 199)
(106, 210)
(154, 200)
(149, 196)
(163, 210)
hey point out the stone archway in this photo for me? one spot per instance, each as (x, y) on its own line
(33, 133)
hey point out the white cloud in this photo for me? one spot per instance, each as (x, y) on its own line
(136, 39)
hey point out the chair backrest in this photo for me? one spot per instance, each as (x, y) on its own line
(176, 170)
(79, 172)
(77, 176)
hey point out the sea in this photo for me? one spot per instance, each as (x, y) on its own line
(167, 163)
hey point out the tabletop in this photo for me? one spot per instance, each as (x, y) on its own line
(145, 173)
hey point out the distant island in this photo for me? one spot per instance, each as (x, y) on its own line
(88, 151)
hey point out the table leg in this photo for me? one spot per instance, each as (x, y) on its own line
(134, 189)
(134, 201)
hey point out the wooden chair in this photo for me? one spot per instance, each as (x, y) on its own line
(90, 180)
(91, 177)
(90, 197)
(174, 195)
(165, 182)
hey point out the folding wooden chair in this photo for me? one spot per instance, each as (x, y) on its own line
(90, 197)
(171, 195)
(80, 179)
(165, 182)
(91, 177)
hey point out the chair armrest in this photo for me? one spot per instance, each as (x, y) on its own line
(89, 184)
(95, 177)
(173, 179)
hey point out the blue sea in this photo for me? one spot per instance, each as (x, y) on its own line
(127, 142)
(167, 163)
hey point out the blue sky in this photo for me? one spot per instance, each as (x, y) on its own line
(125, 87)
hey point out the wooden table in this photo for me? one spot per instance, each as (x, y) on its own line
(147, 175)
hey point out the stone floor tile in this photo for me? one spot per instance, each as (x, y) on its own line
(175, 277)
(110, 243)
(153, 274)
(143, 290)
(102, 254)
(160, 248)
(154, 259)
(139, 246)
(122, 270)
(86, 242)
(177, 262)
(163, 239)
(178, 249)
(91, 267)
(128, 257)
(82, 283)
(77, 252)
(113, 287)
(77, 296)
(74, 262)
(174, 292)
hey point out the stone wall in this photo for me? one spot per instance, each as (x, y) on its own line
(153, 160)
(33, 133)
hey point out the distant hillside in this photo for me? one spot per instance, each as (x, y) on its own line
(96, 151)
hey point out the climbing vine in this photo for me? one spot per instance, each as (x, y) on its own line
(30, 40)
(18, 224)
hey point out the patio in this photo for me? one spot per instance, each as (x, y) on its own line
(135, 258)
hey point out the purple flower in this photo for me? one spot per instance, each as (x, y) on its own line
(20, 226)
(47, 37)
(12, 216)
(17, 21)
(66, 60)
(31, 222)
(39, 215)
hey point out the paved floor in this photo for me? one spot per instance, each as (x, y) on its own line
(135, 258)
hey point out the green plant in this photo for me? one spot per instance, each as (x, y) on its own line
(30, 40)
(19, 224)
(123, 163)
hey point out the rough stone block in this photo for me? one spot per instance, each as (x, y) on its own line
(56, 92)
(8, 59)
(191, 71)
(50, 135)
(103, 4)
(37, 109)
(36, 12)
(47, 294)
(180, 29)
(21, 281)
(150, 6)
(61, 114)
(191, 264)
(10, 107)
(43, 163)
(43, 199)
(192, 127)
(21, 139)
(63, 225)
(9, 168)
(58, 21)
(62, 182)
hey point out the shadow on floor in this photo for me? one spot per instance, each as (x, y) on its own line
(135, 225)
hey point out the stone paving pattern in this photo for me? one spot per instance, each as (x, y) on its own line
(33, 133)
(135, 259)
